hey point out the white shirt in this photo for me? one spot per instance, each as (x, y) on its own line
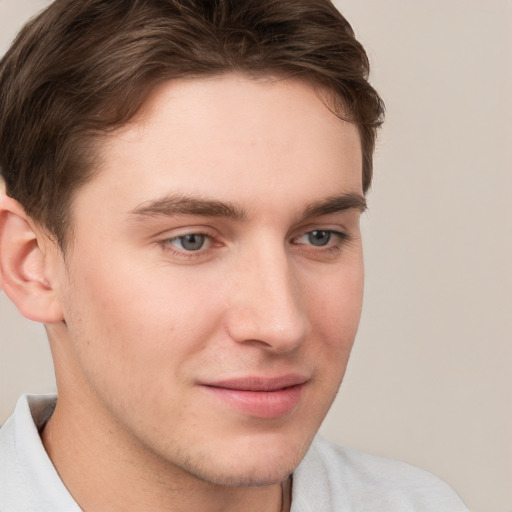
(329, 479)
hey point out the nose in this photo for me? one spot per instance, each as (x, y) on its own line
(267, 303)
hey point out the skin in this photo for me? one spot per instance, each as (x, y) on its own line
(138, 324)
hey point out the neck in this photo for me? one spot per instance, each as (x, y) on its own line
(105, 470)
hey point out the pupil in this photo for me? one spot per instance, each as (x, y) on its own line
(319, 238)
(192, 242)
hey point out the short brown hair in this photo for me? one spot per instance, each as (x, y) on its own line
(83, 68)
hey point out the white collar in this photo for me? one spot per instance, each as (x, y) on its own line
(32, 478)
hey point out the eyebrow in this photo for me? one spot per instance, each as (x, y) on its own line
(185, 205)
(335, 204)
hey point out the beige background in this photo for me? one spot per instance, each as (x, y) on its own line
(430, 380)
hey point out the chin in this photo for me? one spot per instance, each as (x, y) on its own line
(257, 465)
(256, 476)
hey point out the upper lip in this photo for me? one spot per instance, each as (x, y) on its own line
(255, 383)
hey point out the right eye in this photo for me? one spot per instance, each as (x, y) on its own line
(190, 242)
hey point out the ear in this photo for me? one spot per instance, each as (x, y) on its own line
(24, 262)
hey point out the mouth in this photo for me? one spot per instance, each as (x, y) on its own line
(264, 398)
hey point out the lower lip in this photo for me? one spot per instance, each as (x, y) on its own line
(260, 404)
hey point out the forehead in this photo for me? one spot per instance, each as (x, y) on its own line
(227, 136)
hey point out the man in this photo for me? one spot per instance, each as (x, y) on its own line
(184, 185)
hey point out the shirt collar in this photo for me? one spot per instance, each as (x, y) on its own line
(31, 414)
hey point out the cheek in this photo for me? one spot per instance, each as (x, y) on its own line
(132, 319)
(337, 303)
(336, 310)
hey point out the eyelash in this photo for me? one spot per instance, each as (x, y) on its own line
(331, 246)
(188, 254)
(335, 243)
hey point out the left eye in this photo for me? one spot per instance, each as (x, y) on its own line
(190, 242)
(318, 237)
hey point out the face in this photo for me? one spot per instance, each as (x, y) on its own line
(213, 287)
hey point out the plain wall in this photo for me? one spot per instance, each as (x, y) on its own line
(429, 381)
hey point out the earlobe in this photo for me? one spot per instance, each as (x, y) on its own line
(23, 265)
